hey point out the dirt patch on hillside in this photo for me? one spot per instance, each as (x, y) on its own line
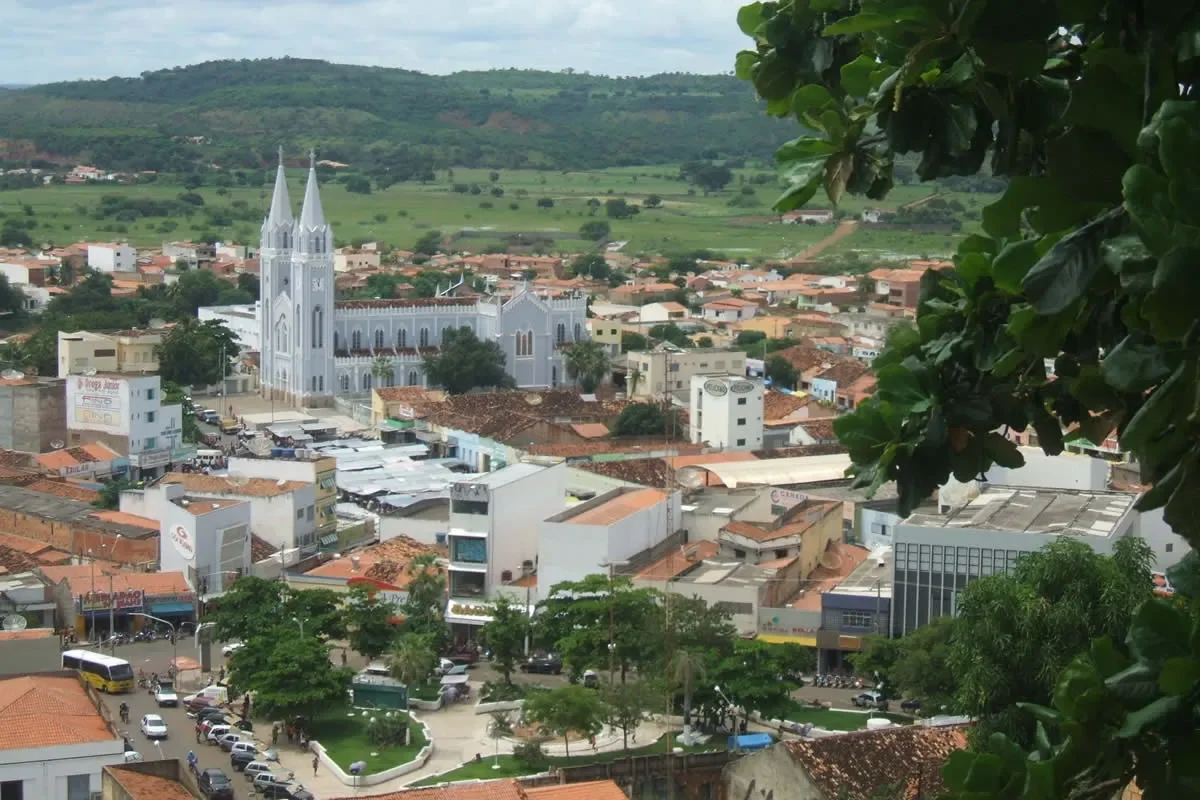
(458, 119)
(508, 121)
(843, 230)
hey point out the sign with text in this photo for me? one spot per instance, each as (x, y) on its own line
(97, 404)
(385, 592)
(786, 498)
(184, 543)
(126, 600)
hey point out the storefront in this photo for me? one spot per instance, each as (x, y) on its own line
(98, 610)
(174, 608)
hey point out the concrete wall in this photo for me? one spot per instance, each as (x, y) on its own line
(517, 510)
(1053, 472)
(32, 415)
(770, 774)
(424, 529)
(876, 528)
(43, 771)
(77, 538)
(707, 527)
(23, 656)
(1169, 547)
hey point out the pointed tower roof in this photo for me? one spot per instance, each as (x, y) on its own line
(311, 213)
(281, 204)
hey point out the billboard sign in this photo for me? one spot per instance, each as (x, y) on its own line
(183, 542)
(125, 600)
(97, 404)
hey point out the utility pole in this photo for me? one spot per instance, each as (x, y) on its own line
(112, 616)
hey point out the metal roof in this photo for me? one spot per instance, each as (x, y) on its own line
(779, 471)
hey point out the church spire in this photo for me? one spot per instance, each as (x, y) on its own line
(311, 214)
(281, 204)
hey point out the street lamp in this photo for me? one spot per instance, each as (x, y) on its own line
(299, 622)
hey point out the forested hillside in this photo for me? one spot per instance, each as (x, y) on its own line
(388, 121)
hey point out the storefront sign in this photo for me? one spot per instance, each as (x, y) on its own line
(786, 498)
(150, 459)
(473, 492)
(184, 544)
(127, 600)
(386, 592)
(172, 599)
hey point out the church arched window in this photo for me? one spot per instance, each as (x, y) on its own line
(561, 336)
(320, 383)
(445, 336)
(318, 332)
(379, 338)
(424, 340)
(345, 383)
(297, 318)
(356, 340)
(577, 331)
(337, 341)
(366, 380)
(412, 378)
(314, 383)
(402, 338)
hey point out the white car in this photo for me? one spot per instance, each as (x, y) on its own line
(216, 732)
(255, 767)
(154, 727)
(131, 756)
(165, 695)
(231, 648)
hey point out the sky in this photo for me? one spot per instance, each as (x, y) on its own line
(53, 40)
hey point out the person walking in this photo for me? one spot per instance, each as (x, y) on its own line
(316, 761)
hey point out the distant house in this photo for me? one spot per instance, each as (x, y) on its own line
(819, 216)
(729, 310)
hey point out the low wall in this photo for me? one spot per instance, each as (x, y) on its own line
(425, 705)
(499, 705)
(379, 777)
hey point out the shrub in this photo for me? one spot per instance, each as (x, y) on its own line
(388, 731)
(499, 691)
(531, 756)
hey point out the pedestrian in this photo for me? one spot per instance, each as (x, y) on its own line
(343, 656)
(316, 761)
(221, 674)
(275, 734)
(246, 706)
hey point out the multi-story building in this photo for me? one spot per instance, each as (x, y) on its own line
(600, 533)
(205, 538)
(282, 512)
(727, 412)
(939, 549)
(607, 332)
(494, 532)
(127, 414)
(112, 257)
(195, 254)
(242, 320)
(670, 369)
(897, 287)
(320, 471)
(347, 259)
(33, 414)
(804, 530)
(56, 738)
(132, 351)
(729, 310)
(313, 347)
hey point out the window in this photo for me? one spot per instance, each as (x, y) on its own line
(412, 378)
(299, 513)
(424, 340)
(105, 353)
(308, 513)
(321, 383)
(314, 383)
(1170, 547)
(345, 383)
(356, 340)
(151, 442)
(12, 790)
(401, 338)
(739, 553)
(781, 554)
(525, 343)
(150, 415)
(736, 608)
(741, 443)
(445, 335)
(149, 394)
(366, 380)
(741, 401)
(469, 506)
(560, 335)
(78, 787)
(720, 365)
(318, 328)
(741, 421)
(577, 336)
(297, 318)
(378, 339)
(858, 619)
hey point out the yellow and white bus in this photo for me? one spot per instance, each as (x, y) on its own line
(108, 674)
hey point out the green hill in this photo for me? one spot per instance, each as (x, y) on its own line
(388, 121)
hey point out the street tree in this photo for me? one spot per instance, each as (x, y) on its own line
(298, 679)
(197, 353)
(592, 265)
(696, 625)
(619, 208)
(781, 372)
(428, 243)
(916, 665)
(645, 419)
(578, 619)
(318, 612)
(587, 364)
(248, 609)
(464, 362)
(627, 705)
(505, 635)
(754, 675)
(570, 709)
(369, 622)
(545, 202)
(413, 658)
(595, 230)
(687, 667)
(424, 608)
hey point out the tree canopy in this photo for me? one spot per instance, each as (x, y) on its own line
(588, 363)
(1089, 110)
(464, 362)
(191, 354)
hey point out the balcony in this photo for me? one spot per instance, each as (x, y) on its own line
(468, 585)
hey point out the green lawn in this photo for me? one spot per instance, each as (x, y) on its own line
(509, 768)
(400, 214)
(345, 740)
(427, 690)
(839, 720)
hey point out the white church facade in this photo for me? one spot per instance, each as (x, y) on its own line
(314, 347)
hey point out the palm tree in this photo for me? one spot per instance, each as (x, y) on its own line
(412, 660)
(587, 364)
(635, 377)
(381, 369)
(687, 668)
(498, 728)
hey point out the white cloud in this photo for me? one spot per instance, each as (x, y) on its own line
(51, 40)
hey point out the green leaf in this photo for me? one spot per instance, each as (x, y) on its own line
(1179, 675)
(1185, 575)
(743, 64)
(1134, 685)
(837, 173)
(750, 18)
(857, 75)
(1003, 451)
(1043, 714)
(1108, 660)
(1163, 489)
(1015, 59)
(1013, 263)
(1148, 717)
(1064, 274)
(859, 23)
(1159, 631)
(1133, 366)
(1149, 204)
(811, 98)
(1160, 408)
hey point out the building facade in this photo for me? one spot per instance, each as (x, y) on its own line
(727, 412)
(314, 347)
(671, 369)
(112, 257)
(127, 414)
(132, 351)
(33, 414)
(320, 471)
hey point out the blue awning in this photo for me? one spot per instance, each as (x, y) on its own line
(172, 608)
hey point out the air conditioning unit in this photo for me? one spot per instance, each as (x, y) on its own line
(506, 576)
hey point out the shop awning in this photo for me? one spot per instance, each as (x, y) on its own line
(780, 638)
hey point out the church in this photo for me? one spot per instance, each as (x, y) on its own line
(314, 347)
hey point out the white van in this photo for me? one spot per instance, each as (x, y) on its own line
(208, 458)
(215, 695)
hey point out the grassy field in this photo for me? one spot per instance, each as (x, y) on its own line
(345, 740)
(509, 768)
(402, 213)
(839, 720)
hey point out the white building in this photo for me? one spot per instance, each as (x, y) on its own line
(727, 412)
(611, 528)
(282, 512)
(126, 413)
(54, 741)
(493, 538)
(730, 309)
(206, 539)
(313, 347)
(112, 258)
(662, 312)
(241, 319)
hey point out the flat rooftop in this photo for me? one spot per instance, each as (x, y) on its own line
(1030, 510)
(504, 476)
(612, 507)
(873, 576)
(728, 573)
(64, 509)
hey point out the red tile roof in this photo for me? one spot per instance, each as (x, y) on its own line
(140, 786)
(82, 577)
(675, 562)
(48, 711)
(64, 489)
(618, 508)
(816, 511)
(590, 790)
(504, 789)
(387, 561)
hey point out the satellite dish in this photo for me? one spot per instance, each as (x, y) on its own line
(533, 399)
(15, 622)
(58, 444)
(691, 477)
(12, 375)
(237, 479)
(90, 371)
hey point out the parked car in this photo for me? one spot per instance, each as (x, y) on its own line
(912, 706)
(209, 415)
(870, 699)
(256, 768)
(231, 648)
(216, 732)
(227, 741)
(547, 663)
(165, 695)
(205, 725)
(210, 712)
(264, 780)
(215, 784)
(154, 727)
(287, 791)
(131, 756)
(240, 759)
(244, 746)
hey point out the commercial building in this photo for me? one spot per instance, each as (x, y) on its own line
(33, 414)
(383, 567)
(242, 320)
(320, 471)
(607, 332)
(112, 258)
(670, 369)
(726, 412)
(939, 548)
(95, 461)
(126, 413)
(207, 539)
(282, 512)
(132, 351)
(29, 594)
(601, 533)
(853, 607)
(101, 593)
(161, 779)
(494, 535)
(804, 531)
(55, 738)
